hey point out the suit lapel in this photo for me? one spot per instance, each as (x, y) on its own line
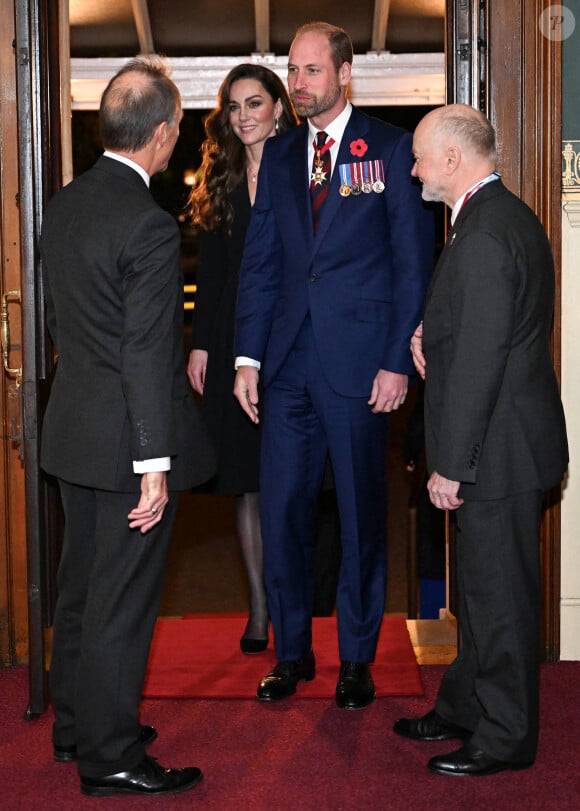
(297, 167)
(356, 127)
(488, 191)
(461, 224)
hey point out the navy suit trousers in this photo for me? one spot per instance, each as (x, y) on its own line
(303, 421)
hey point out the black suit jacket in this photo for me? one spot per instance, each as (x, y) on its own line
(493, 415)
(113, 294)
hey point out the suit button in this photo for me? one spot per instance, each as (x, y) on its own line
(313, 277)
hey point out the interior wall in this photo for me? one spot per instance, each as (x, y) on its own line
(570, 561)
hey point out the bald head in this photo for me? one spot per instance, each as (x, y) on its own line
(465, 126)
(137, 99)
(454, 147)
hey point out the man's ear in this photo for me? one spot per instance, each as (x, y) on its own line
(453, 159)
(344, 74)
(161, 134)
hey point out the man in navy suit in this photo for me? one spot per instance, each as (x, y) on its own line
(337, 260)
(495, 440)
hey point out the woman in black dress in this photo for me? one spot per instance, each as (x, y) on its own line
(252, 106)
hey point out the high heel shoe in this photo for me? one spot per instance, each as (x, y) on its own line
(250, 645)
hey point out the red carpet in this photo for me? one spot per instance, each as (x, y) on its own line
(299, 756)
(199, 657)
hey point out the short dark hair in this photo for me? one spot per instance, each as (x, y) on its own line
(339, 41)
(137, 99)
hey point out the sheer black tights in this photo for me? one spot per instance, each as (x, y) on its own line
(249, 533)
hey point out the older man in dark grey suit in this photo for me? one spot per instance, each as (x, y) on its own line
(120, 432)
(496, 440)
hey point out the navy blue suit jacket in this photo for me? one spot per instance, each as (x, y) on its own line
(362, 277)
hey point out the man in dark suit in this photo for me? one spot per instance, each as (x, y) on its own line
(495, 436)
(337, 260)
(120, 432)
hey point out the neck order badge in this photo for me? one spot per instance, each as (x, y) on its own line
(320, 177)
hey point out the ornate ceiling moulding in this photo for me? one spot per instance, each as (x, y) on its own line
(378, 78)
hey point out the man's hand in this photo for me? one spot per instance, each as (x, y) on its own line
(196, 366)
(246, 390)
(389, 391)
(443, 492)
(417, 350)
(153, 500)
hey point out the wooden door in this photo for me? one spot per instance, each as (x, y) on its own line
(30, 78)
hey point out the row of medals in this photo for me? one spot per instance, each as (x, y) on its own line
(366, 188)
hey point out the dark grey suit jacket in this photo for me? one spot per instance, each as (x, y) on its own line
(493, 415)
(113, 293)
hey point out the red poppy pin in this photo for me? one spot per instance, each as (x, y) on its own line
(358, 147)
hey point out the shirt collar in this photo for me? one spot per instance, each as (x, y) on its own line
(470, 191)
(128, 162)
(336, 128)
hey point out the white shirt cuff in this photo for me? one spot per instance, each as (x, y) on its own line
(243, 361)
(159, 465)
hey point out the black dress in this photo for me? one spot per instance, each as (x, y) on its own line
(235, 437)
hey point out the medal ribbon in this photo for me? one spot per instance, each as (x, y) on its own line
(320, 177)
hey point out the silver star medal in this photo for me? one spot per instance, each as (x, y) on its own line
(318, 176)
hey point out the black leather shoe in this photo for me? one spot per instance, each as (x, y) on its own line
(430, 727)
(148, 777)
(68, 754)
(281, 682)
(355, 687)
(471, 762)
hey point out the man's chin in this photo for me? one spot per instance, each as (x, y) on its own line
(429, 196)
(303, 110)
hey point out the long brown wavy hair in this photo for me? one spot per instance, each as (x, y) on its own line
(223, 154)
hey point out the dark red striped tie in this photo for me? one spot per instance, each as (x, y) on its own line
(320, 177)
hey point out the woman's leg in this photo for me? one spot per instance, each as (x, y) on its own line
(250, 535)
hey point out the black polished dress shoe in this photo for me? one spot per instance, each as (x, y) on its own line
(281, 682)
(430, 727)
(148, 778)
(471, 762)
(68, 754)
(355, 687)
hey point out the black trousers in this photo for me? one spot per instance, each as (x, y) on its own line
(110, 581)
(492, 687)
